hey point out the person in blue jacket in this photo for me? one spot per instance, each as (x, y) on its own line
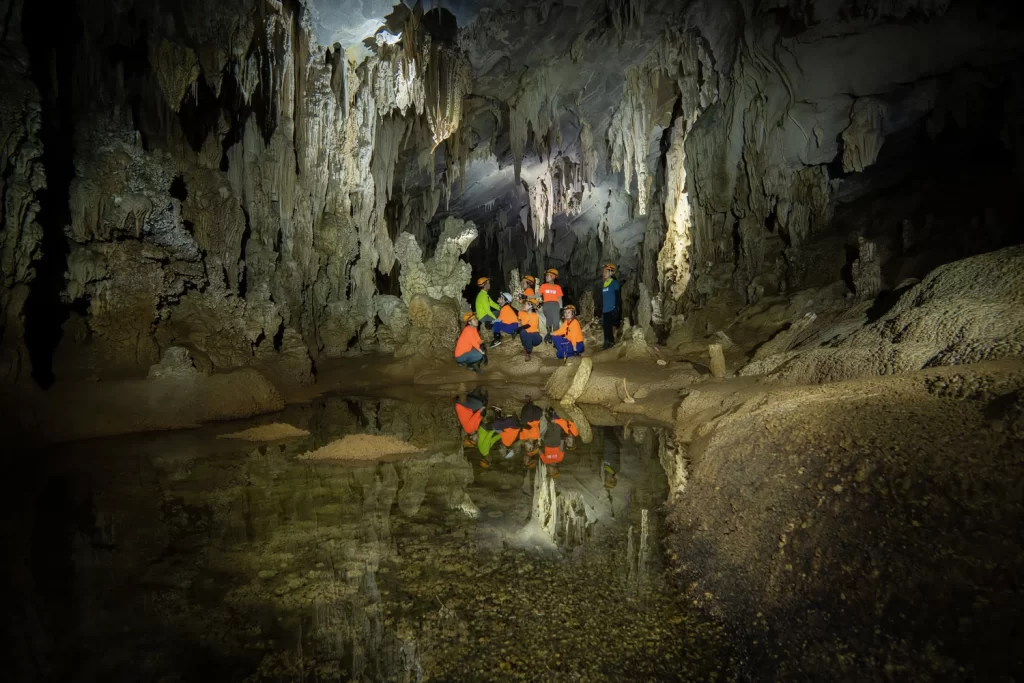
(611, 305)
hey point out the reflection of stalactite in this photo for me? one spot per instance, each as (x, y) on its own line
(545, 501)
(637, 558)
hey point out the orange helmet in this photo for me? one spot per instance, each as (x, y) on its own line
(529, 278)
(553, 271)
(609, 266)
(480, 282)
(570, 307)
(466, 317)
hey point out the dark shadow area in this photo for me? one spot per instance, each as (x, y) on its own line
(51, 47)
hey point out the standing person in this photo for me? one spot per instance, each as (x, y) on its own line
(507, 322)
(551, 296)
(611, 305)
(529, 332)
(469, 351)
(486, 307)
(568, 338)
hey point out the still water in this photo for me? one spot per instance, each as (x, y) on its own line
(523, 545)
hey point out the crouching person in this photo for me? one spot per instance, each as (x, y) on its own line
(469, 349)
(529, 330)
(507, 322)
(568, 338)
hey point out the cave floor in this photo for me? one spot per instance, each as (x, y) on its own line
(180, 556)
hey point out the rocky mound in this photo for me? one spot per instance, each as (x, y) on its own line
(964, 312)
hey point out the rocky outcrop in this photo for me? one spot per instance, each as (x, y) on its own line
(965, 312)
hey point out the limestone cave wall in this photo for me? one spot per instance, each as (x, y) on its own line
(215, 178)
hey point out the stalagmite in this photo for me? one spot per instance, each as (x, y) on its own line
(867, 271)
(717, 360)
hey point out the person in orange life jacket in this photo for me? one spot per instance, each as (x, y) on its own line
(551, 296)
(470, 411)
(611, 304)
(529, 282)
(508, 321)
(568, 338)
(529, 330)
(469, 349)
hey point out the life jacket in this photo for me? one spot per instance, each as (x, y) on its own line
(469, 339)
(567, 426)
(530, 320)
(571, 330)
(469, 419)
(550, 292)
(507, 315)
(531, 432)
(552, 455)
(509, 436)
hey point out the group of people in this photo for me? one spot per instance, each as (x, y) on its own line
(564, 331)
(485, 428)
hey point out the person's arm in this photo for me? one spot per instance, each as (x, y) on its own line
(618, 297)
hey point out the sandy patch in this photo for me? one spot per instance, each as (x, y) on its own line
(361, 447)
(272, 432)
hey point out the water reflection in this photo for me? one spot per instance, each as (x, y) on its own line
(197, 558)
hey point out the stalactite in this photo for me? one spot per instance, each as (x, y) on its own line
(567, 186)
(247, 74)
(863, 139)
(447, 80)
(176, 67)
(626, 15)
(534, 106)
(542, 204)
(588, 154)
(630, 131)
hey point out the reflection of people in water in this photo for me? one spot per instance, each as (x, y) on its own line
(529, 433)
(470, 410)
(559, 435)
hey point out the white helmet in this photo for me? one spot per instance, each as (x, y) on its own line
(506, 297)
